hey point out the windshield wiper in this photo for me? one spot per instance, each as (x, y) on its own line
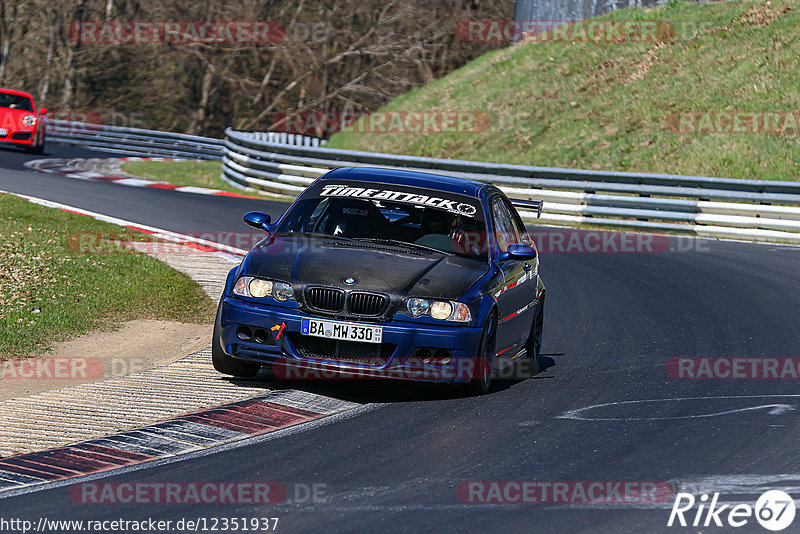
(358, 241)
(406, 244)
(325, 236)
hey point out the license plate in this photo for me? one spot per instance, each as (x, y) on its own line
(341, 331)
(3, 132)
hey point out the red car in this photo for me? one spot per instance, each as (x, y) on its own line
(20, 124)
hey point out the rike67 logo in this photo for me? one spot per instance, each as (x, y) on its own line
(774, 510)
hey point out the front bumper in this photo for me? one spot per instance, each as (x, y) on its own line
(20, 137)
(397, 357)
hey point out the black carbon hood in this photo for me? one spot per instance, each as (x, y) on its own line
(317, 261)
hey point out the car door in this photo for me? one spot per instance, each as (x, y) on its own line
(514, 298)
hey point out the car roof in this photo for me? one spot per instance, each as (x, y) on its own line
(15, 92)
(424, 180)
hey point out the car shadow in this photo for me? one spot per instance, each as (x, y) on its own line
(10, 147)
(504, 382)
(364, 391)
(546, 362)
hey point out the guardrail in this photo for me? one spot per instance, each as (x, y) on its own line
(134, 141)
(138, 141)
(712, 207)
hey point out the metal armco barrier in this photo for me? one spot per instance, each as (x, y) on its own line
(284, 164)
(134, 140)
(757, 210)
(153, 142)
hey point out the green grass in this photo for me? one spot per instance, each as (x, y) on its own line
(55, 284)
(195, 173)
(607, 106)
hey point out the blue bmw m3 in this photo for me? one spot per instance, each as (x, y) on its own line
(385, 273)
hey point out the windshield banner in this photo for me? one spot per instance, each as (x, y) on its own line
(462, 205)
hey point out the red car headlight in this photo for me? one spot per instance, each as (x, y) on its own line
(29, 120)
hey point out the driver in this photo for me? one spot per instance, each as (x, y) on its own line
(436, 227)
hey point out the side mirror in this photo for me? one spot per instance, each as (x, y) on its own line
(257, 220)
(519, 252)
(42, 111)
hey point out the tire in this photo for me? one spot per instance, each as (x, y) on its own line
(484, 359)
(36, 149)
(224, 363)
(534, 345)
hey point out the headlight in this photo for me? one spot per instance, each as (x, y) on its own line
(260, 288)
(29, 120)
(442, 310)
(282, 292)
(417, 307)
(248, 286)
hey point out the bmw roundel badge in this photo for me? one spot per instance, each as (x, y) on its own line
(350, 281)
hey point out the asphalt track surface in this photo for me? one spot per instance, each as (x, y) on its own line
(613, 321)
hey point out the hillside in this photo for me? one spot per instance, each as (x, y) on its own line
(720, 69)
(202, 66)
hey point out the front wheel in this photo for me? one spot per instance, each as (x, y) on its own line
(224, 363)
(36, 148)
(484, 360)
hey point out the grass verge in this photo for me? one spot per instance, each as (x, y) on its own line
(194, 173)
(589, 104)
(52, 288)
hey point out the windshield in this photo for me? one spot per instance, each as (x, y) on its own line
(397, 222)
(8, 100)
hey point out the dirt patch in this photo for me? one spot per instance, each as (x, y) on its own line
(135, 346)
(645, 65)
(762, 15)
